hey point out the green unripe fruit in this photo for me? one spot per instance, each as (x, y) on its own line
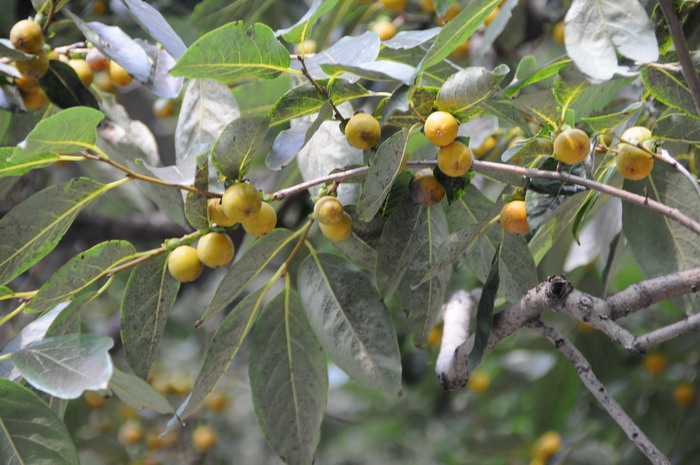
(363, 131)
(572, 146)
(514, 218)
(634, 163)
(241, 201)
(215, 249)
(184, 264)
(35, 67)
(217, 215)
(425, 189)
(27, 36)
(328, 210)
(454, 159)
(441, 128)
(339, 231)
(262, 223)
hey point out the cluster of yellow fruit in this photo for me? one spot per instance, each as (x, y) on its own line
(27, 36)
(454, 158)
(97, 68)
(546, 446)
(633, 162)
(334, 221)
(241, 203)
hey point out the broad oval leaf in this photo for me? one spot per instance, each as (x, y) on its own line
(234, 51)
(380, 70)
(670, 88)
(350, 321)
(517, 271)
(410, 39)
(348, 51)
(148, 298)
(33, 228)
(137, 393)
(17, 166)
(32, 433)
(63, 87)
(65, 366)
(153, 22)
(464, 91)
(160, 82)
(238, 142)
(210, 14)
(302, 28)
(288, 379)
(673, 126)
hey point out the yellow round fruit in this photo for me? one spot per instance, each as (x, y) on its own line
(454, 159)
(118, 75)
(241, 201)
(127, 413)
(83, 71)
(427, 6)
(384, 29)
(514, 218)
(216, 402)
(489, 143)
(572, 146)
(479, 382)
(130, 432)
(558, 32)
(634, 135)
(684, 394)
(27, 36)
(99, 8)
(634, 163)
(395, 6)
(184, 264)
(217, 214)
(328, 210)
(441, 128)
(34, 100)
(96, 60)
(547, 445)
(262, 223)
(339, 231)
(308, 46)
(425, 189)
(654, 363)
(215, 249)
(435, 336)
(164, 107)
(103, 82)
(26, 84)
(34, 67)
(452, 11)
(93, 399)
(491, 16)
(204, 438)
(363, 131)
(180, 382)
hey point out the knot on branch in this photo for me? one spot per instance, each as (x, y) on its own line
(558, 288)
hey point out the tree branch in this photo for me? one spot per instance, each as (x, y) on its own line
(672, 331)
(589, 379)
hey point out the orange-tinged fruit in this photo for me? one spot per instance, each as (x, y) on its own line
(93, 399)
(339, 231)
(435, 336)
(26, 84)
(634, 163)
(35, 67)
(184, 264)
(547, 445)
(96, 60)
(82, 69)
(216, 402)
(34, 100)
(130, 432)
(127, 413)
(103, 82)
(118, 75)
(425, 189)
(558, 32)
(514, 218)
(634, 135)
(684, 394)
(363, 131)
(395, 6)
(384, 29)
(454, 159)
(217, 214)
(654, 363)
(241, 201)
(99, 8)
(27, 36)
(164, 107)
(441, 128)
(427, 6)
(204, 438)
(489, 143)
(215, 249)
(491, 16)
(584, 328)
(452, 11)
(262, 223)
(572, 146)
(328, 210)
(479, 382)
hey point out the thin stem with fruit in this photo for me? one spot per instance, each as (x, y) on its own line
(323, 91)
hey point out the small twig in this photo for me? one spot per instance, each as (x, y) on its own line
(49, 17)
(322, 90)
(593, 384)
(687, 67)
(672, 331)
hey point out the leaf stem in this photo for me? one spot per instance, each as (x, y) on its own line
(49, 17)
(300, 242)
(18, 295)
(13, 314)
(322, 90)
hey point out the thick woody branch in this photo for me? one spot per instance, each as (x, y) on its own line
(593, 384)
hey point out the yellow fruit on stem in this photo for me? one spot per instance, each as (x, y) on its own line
(363, 131)
(35, 99)
(489, 143)
(454, 159)
(654, 363)
(339, 231)
(103, 82)
(572, 146)
(241, 201)
(558, 32)
(547, 445)
(96, 60)
(118, 75)
(425, 189)
(204, 438)
(27, 36)
(514, 218)
(35, 67)
(479, 382)
(215, 249)
(262, 223)
(452, 11)
(83, 71)
(216, 402)
(441, 128)
(328, 210)
(427, 6)
(26, 84)
(684, 394)
(130, 432)
(634, 163)
(184, 264)
(308, 46)
(395, 6)
(384, 29)
(634, 135)
(217, 214)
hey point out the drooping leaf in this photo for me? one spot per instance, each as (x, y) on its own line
(380, 70)
(544, 196)
(670, 88)
(559, 220)
(288, 379)
(498, 24)
(301, 29)
(78, 273)
(359, 251)
(232, 52)
(540, 74)
(605, 123)
(517, 271)
(464, 91)
(160, 81)
(65, 366)
(195, 204)
(286, 146)
(23, 164)
(32, 433)
(64, 88)
(348, 51)
(33, 228)
(529, 149)
(573, 91)
(421, 98)
(210, 14)
(674, 126)
(484, 314)
(238, 142)
(338, 300)
(137, 393)
(153, 22)
(148, 298)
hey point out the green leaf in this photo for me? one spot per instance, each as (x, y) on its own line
(31, 431)
(195, 204)
(33, 228)
(64, 88)
(505, 110)
(457, 31)
(288, 379)
(80, 272)
(484, 314)
(381, 70)
(384, 166)
(529, 149)
(9, 51)
(573, 91)
(422, 99)
(540, 74)
(244, 271)
(65, 366)
(464, 91)
(454, 186)
(359, 251)
(605, 123)
(557, 223)
(232, 52)
(338, 299)
(149, 295)
(137, 393)
(410, 39)
(670, 88)
(597, 29)
(17, 166)
(258, 97)
(302, 28)
(237, 144)
(68, 131)
(662, 246)
(306, 99)
(153, 22)
(677, 127)
(210, 14)
(225, 344)
(517, 271)
(350, 51)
